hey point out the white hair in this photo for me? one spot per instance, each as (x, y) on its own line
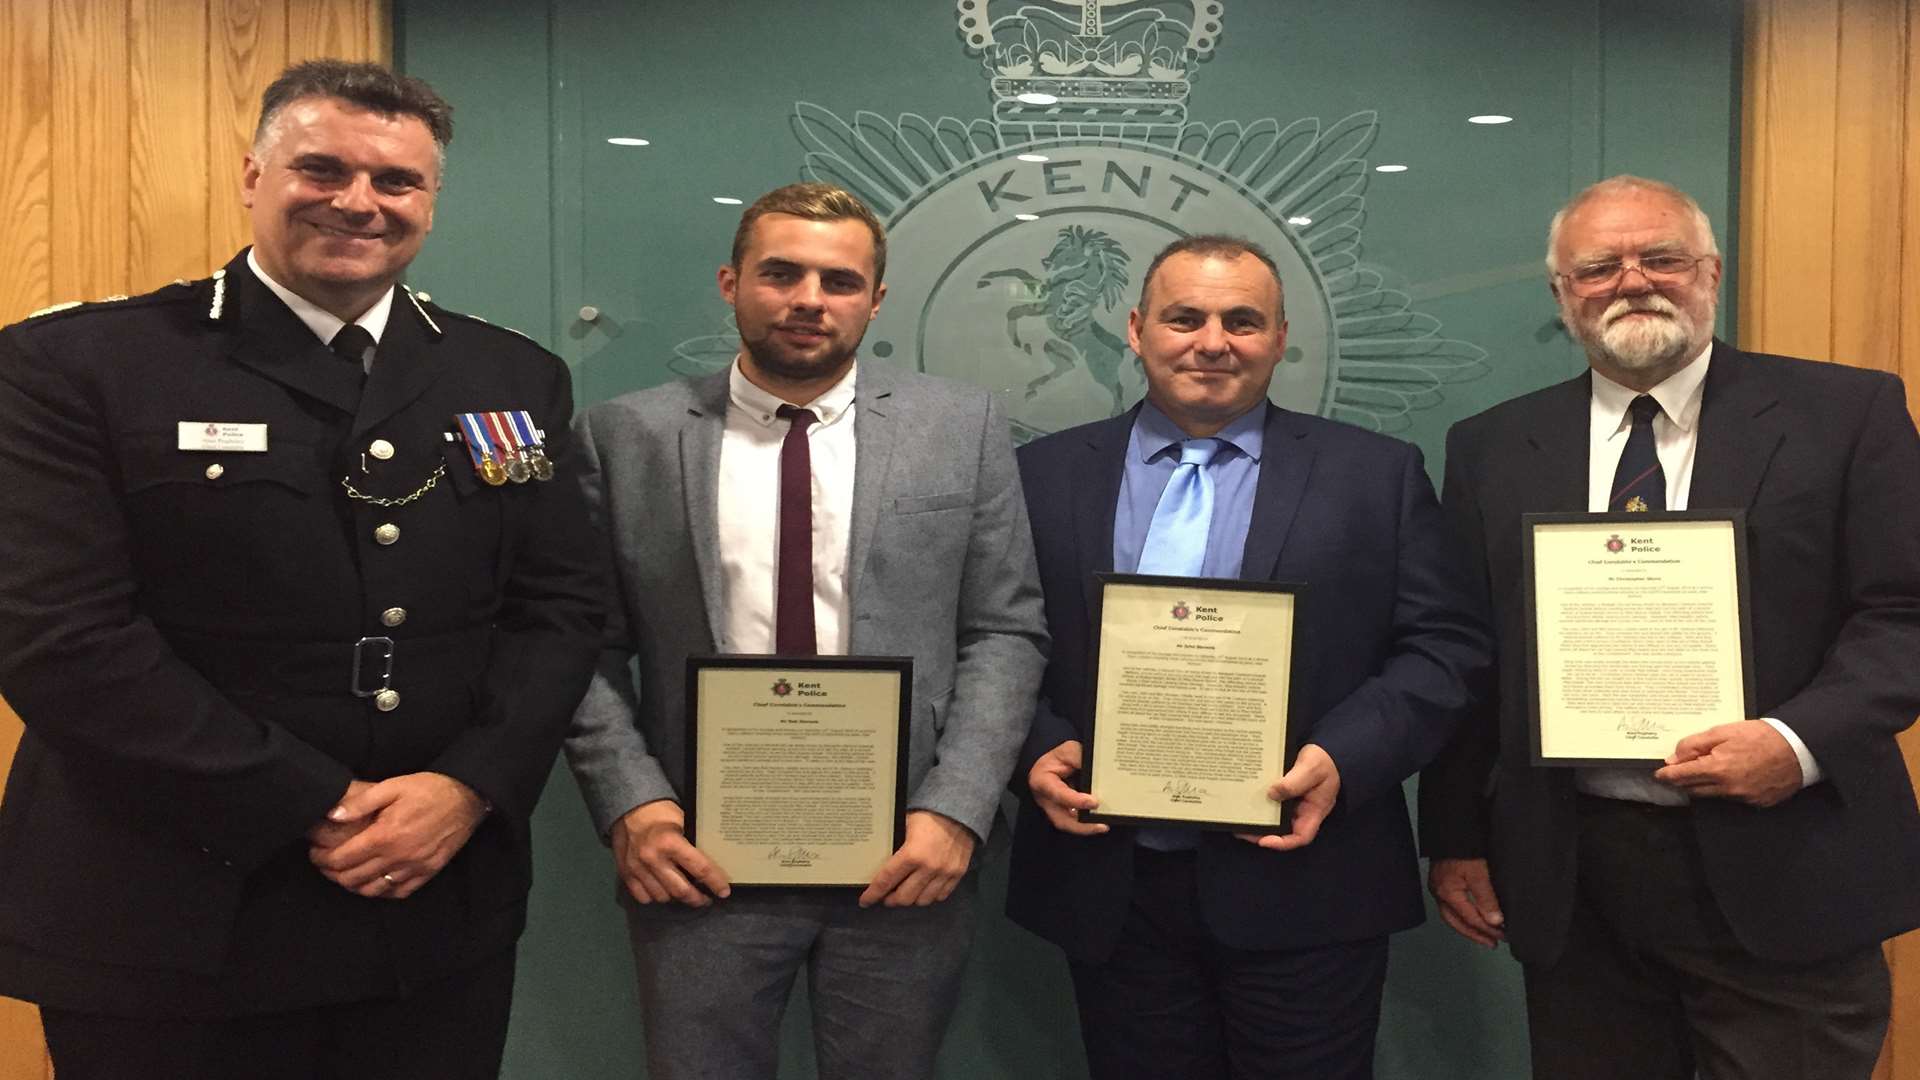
(1618, 185)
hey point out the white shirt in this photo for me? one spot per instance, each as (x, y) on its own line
(1676, 437)
(325, 324)
(749, 513)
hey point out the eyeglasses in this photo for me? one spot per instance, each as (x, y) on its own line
(1602, 278)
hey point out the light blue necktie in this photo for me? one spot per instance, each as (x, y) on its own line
(1176, 541)
(1177, 545)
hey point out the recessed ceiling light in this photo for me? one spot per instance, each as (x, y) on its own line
(1031, 157)
(1299, 220)
(1032, 98)
(1490, 118)
(628, 140)
(726, 200)
(1389, 168)
(1026, 217)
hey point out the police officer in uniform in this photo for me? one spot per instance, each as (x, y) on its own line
(295, 622)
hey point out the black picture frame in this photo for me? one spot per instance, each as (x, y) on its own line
(1292, 739)
(794, 668)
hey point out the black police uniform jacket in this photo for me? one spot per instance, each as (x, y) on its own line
(178, 631)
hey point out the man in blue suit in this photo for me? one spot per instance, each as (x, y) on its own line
(1207, 954)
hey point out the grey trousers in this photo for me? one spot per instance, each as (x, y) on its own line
(714, 982)
(1653, 986)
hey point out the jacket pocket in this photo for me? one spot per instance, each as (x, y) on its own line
(149, 462)
(926, 504)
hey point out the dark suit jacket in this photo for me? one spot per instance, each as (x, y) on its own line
(1824, 460)
(178, 640)
(1390, 648)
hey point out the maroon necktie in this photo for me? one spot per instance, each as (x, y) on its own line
(793, 574)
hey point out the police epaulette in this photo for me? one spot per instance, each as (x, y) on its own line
(118, 299)
(425, 302)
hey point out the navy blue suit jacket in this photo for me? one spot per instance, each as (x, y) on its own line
(1391, 649)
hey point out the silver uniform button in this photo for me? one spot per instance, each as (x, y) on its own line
(381, 449)
(215, 471)
(387, 700)
(393, 616)
(386, 534)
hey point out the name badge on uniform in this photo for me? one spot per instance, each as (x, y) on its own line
(221, 435)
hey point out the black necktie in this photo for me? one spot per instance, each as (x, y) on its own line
(1639, 484)
(351, 344)
(793, 632)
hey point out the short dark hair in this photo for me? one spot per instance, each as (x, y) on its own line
(815, 202)
(370, 86)
(1214, 246)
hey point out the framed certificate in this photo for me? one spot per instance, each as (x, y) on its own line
(1637, 632)
(1192, 710)
(796, 766)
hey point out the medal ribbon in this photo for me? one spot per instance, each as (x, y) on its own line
(522, 422)
(479, 446)
(503, 433)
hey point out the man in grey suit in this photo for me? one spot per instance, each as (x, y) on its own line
(919, 547)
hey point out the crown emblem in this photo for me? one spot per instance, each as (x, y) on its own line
(1126, 62)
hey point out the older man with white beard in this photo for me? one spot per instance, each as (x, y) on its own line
(1721, 914)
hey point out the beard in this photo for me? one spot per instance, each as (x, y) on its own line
(1636, 344)
(774, 359)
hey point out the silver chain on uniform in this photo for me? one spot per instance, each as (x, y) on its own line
(355, 493)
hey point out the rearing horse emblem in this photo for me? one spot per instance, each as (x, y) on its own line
(1085, 268)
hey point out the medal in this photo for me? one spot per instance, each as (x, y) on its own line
(512, 457)
(528, 439)
(505, 446)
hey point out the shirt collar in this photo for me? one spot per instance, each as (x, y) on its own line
(325, 324)
(832, 404)
(1154, 433)
(1679, 395)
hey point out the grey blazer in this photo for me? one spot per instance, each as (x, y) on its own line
(940, 568)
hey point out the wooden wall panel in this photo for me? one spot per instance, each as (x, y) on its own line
(26, 153)
(1867, 124)
(123, 124)
(325, 28)
(1902, 1059)
(167, 142)
(1792, 49)
(23, 1054)
(1830, 244)
(90, 124)
(1909, 265)
(379, 26)
(246, 47)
